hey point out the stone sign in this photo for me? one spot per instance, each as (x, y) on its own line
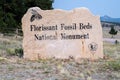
(61, 34)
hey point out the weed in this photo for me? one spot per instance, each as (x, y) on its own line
(2, 59)
(113, 65)
(19, 52)
(116, 42)
(10, 68)
(11, 51)
(15, 52)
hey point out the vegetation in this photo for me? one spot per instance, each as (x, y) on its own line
(116, 42)
(112, 31)
(115, 23)
(15, 52)
(14, 68)
(113, 65)
(11, 12)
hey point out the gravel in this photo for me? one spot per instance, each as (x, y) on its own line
(54, 69)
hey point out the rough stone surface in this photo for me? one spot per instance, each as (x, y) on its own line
(61, 34)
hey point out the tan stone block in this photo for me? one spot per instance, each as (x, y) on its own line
(60, 34)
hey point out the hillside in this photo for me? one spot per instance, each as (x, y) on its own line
(109, 19)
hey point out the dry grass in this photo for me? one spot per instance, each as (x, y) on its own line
(9, 44)
(112, 50)
(14, 68)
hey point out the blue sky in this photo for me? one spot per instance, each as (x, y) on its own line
(97, 7)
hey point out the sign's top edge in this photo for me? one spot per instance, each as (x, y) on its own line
(79, 8)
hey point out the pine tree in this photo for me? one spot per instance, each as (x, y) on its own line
(11, 12)
(112, 31)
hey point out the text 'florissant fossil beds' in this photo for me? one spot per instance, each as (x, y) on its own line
(61, 34)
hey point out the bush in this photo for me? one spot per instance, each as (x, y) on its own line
(11, 51)
(15, 52)
(19, 52)
(116, 42)
(113, 65)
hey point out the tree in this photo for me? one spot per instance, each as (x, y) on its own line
(11, 12)
(112, 31)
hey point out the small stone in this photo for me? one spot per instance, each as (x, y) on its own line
(89, 78)
(82, 75)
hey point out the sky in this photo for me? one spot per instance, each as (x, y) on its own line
(97, 7)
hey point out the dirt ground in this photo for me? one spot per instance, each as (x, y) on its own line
(55, 69)
(14, 68)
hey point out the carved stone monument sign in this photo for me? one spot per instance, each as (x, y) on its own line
(61, 34)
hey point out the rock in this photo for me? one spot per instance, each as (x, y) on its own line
(61, 34)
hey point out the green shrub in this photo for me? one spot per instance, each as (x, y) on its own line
(15, 52)
(113, 65)
(19, 52)
(11, 51)
(116, 42)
